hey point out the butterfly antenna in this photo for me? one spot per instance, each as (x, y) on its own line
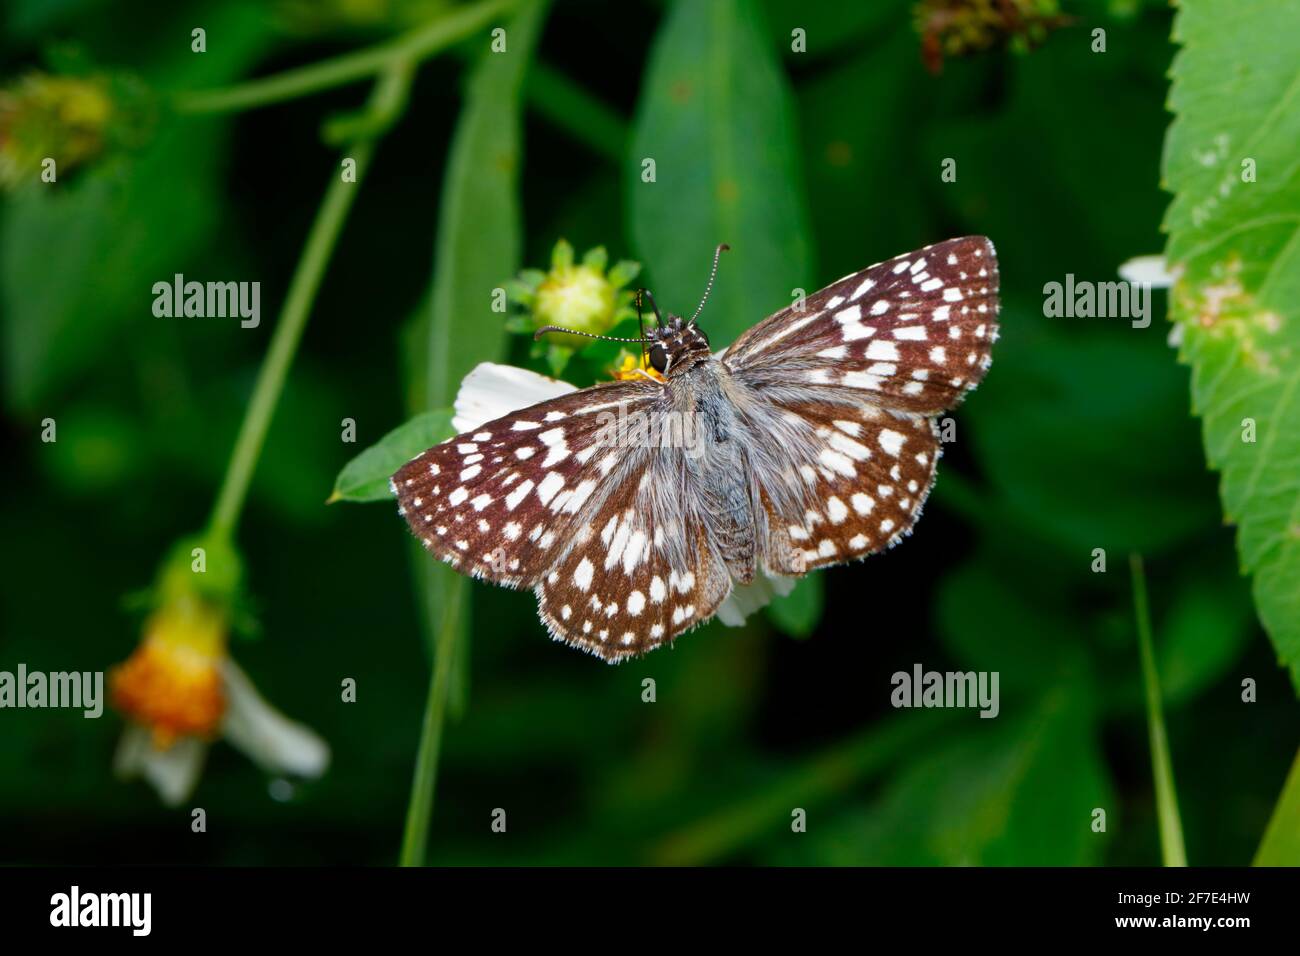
(717, 254)
(640, 325)
(640, 293)
(559, 328)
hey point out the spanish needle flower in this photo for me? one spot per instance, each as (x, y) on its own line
(73, 120)
(584, 297)
(180, 690)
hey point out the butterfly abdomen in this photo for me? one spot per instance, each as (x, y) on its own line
(722, 468)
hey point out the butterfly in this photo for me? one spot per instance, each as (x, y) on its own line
(639, 509)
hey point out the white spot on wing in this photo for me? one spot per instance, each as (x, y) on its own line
(891, 441)
(582, 575)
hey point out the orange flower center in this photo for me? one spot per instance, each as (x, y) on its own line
(172, 683)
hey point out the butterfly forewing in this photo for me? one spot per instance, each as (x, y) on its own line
(569, 497)
(502, 501)
(913, 333)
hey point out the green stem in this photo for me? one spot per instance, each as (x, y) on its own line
(293, 317)
(1172, 850)
(552, 94)
(415, 837)
(413, 46)
(484, 156)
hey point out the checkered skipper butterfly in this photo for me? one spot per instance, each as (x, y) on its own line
(639, 509)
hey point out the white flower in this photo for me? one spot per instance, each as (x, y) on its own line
(492, 391)
(1148, 270)
(180, 690)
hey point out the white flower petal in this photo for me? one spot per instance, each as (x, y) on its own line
(271, 740)
(1148, 270)
(491, 391)
(172, 772)
(745, 599)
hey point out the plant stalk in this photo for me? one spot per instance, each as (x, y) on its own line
(413, 46)
(1173, 852)
(321, 240)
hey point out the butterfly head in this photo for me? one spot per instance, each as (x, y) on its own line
(676, 345)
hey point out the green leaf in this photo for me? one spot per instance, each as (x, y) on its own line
(477, 248)
(78, 258)
(799, 612)
(1201, 636)
(1010, 791)
(846, 168)
(78, 261)
(1236, 99)
(1098, 475)
(365, 477)
(830, 28)
(996, 614)
(716, 117)
(479, 228)
(1201, 632)
(1281, 844)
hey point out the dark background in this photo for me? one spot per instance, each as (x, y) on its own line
(1080, 438)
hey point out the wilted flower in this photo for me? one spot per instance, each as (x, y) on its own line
(71, 119)
(180, 689)
(963, 27)
(582, 296)
(172, 685)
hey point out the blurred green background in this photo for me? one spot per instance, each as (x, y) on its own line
(1080, 438)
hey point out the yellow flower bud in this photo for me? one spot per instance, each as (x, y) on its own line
(57, 117)
(583, 296)
(172, 683)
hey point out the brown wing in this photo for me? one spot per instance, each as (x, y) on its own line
(844, 482)
(913, 333)
(501, 502)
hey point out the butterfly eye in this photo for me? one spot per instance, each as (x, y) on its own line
(658, 359)
(700, 332)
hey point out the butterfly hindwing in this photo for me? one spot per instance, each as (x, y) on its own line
(641, 569)
(849, 480)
